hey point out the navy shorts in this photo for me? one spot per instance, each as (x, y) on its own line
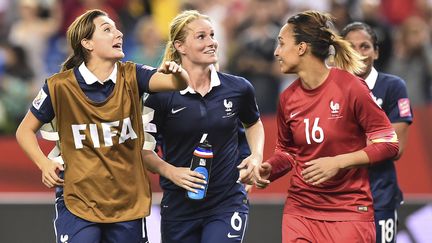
(222, 228)
(72, 229)
(386, 226)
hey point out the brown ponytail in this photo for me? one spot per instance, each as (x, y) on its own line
(82, 28)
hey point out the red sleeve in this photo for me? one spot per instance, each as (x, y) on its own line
(381, 151)
(281, 163)
(376, 125)
(384, 146)
(282, 160)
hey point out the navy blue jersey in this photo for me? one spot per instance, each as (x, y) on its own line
(390, 93)
(181, 118)
(243, 146)
(96, 91)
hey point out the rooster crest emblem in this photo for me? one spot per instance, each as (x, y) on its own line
(334, 107)
(228, 105)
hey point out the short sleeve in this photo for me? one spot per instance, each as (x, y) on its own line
(143, 75)
(398, 108)
(371, 117)
(42, 107)
(249, 112)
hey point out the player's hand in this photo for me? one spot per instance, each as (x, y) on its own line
(186, 178)
(176, 70)
(320, 170)
(261, 174)
(50, 171)
(170, 67)
(246, 169)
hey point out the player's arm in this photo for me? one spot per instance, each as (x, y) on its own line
(281, 161)
(399, 112)
(26, 137)
(401, 129)
(170, 76)
(255, 138)
(322, 169)
(181, 176)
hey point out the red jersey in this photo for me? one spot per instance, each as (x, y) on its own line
(336, 118)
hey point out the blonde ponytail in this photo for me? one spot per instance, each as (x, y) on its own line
(346, 57)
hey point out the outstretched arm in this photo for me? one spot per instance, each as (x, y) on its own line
(170, 76)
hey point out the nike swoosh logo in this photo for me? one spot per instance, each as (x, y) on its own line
(293, 114)
(177, 110)
(229, 235)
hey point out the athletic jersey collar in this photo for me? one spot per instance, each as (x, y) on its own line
(90, 78)
(214, 81)
(372, 78)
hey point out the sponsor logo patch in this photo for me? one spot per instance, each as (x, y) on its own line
(404, 107)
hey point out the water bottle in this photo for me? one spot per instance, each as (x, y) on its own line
(201, 163)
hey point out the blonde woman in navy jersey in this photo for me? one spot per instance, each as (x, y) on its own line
(102, 190)
(213, 104)
(329, 131)
(390, 93)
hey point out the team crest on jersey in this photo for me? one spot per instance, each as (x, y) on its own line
(38, 101)
(228, 108)
(334, 109)
(228, 105)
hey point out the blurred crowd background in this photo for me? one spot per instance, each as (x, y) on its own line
(33, 44)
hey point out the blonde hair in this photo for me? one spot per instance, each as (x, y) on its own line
(178, 32)
(82, 28)
(314, 28)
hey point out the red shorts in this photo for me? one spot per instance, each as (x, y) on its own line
(300, 229)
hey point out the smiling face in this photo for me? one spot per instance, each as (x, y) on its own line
(106, 41)
(362, 42)
(286, 52)
(199, 46)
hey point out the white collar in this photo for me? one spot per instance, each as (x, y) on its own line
(90, 78)
(214, 81)
(372, 78)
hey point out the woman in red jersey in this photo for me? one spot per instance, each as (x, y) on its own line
(329, 130)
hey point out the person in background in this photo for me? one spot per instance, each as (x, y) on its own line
(103, 192)
(149, 48)
(329, 131)
(30, 23)
(412, 60)
(390, 93)
(213, 104)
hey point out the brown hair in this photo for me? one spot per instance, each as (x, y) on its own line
(314, 28)
(178, 32)
(82, 28)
